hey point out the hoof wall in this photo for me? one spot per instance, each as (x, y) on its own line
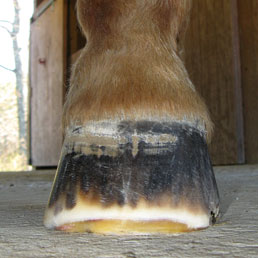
(133, 177)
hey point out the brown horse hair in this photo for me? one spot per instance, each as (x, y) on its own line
(130, 68)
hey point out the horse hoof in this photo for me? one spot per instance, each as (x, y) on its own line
(134, 178)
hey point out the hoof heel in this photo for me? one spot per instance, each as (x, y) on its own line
(133, 177)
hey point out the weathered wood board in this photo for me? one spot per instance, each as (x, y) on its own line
(248, 28)
(212, 64)
(38, 2)
(24, 196)
(47, 82)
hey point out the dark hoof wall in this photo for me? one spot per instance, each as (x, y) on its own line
(133, 177)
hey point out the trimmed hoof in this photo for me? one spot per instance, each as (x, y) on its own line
(133, 177)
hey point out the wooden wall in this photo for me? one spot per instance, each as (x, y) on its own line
(212, 60)
(248, 30)
(47, 73)
(221, 58)
(37, 2)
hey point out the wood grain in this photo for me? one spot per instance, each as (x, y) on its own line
(22, 234)
(37, 2)
(248, 17)
(46, 78)
(211, 61)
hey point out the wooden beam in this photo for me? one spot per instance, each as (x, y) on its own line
(212, 62)
(47, 62)
(248, 17)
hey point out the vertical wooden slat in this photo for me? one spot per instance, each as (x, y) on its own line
(248, 24)
(211, 62)
(237, 84)
(37, 2)
(46, 78)
(65, 49)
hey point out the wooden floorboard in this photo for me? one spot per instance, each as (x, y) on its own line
(23, 197)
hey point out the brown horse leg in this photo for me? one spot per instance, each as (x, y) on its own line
(135, 156)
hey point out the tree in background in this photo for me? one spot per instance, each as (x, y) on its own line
(13, 32)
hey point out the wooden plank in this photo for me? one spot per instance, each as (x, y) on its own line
(238, 85)
(41, 8)
(47, 71)
(65, 35)
(37, 2)
(211, 61)
(22, 234)
(248, 23)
